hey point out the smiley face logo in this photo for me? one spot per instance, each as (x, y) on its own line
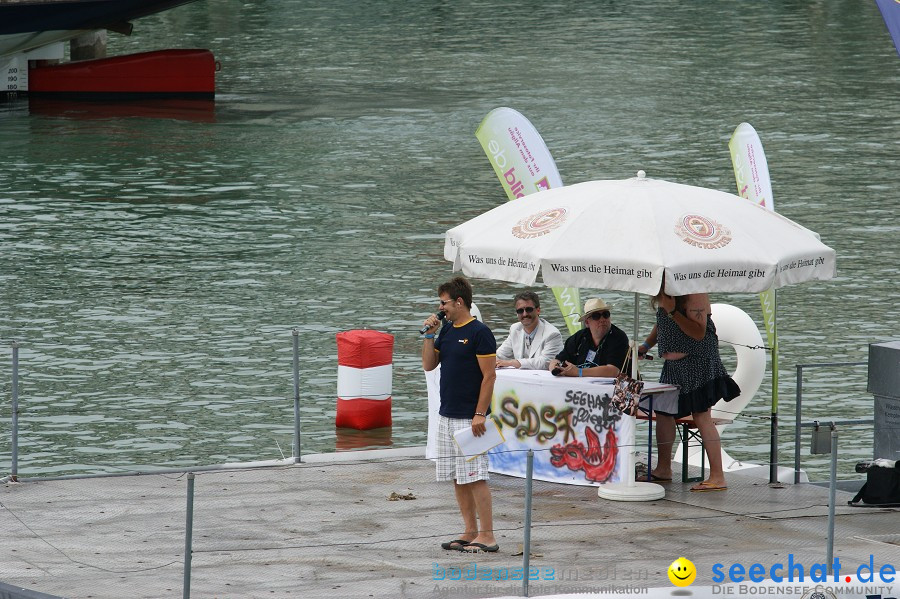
(682, 572)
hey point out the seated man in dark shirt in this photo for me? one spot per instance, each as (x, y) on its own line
(599, 349)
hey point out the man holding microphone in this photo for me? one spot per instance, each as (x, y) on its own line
(466, 350)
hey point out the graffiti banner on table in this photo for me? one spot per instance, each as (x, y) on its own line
(578, 437)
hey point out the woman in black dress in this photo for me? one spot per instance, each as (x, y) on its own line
(690, 347)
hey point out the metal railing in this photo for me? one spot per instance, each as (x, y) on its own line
(798, 421)
(14, 434)
(14, 468)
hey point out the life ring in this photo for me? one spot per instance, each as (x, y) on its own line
(735, 328)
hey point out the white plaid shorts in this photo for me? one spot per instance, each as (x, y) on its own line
(450, 463)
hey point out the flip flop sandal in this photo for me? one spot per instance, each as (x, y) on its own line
(481, 547)
(455, 545)
(705, 487)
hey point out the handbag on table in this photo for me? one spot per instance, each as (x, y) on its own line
(627, 391)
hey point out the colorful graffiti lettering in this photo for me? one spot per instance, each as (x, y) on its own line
(528, 421)
(596, 462)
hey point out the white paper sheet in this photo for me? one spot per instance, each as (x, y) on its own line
(472, 446)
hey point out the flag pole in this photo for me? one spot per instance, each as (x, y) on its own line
(751, 173)
(773, 449)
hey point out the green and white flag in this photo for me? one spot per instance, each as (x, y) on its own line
(524, 165)
(751, 172)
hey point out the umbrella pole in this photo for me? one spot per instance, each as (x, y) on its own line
(634, 375)
(630, 490)
(632, 454)
(634, 345)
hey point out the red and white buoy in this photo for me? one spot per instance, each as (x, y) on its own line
(364, 379)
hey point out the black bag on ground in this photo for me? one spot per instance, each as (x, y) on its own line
(882, 486)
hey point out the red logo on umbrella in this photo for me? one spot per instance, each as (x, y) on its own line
(540, 223)
(702, 232)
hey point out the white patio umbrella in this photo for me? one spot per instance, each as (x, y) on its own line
(626, 235)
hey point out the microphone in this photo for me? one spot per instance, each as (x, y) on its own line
(440, 316)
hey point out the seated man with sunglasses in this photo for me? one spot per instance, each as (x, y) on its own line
(600, 349)
(532, 341)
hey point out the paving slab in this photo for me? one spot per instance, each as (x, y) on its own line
(370, 524)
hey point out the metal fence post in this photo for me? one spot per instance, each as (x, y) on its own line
(773, 447)
(526, 551)
(188, 536)
(797, 422)
(832, 494)
(296, 335)
(14, 468)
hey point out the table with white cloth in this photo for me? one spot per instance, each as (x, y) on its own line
(577, 435)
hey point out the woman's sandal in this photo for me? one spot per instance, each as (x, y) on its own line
(705, 486)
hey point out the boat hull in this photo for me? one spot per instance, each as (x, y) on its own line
(161, 73)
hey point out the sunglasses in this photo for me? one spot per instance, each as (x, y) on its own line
(599, 315)
(528, 309)
(446, 301)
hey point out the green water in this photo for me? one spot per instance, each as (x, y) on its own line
(154, 267)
